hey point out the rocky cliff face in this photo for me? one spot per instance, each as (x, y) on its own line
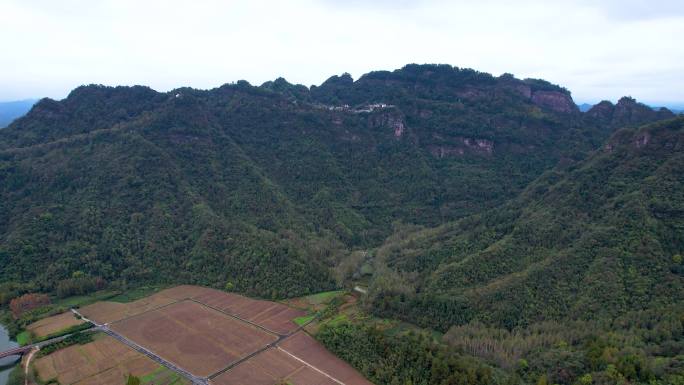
(462, 146)
(554, 100)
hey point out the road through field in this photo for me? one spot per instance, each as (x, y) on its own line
(298, 349)
(105, 329)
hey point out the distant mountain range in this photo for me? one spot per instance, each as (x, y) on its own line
(9, 111)
(584, 107)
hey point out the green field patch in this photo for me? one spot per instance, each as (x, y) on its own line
(340, 318)
(136, 294)
(161, 375)
(82, 300)
(24, 338)
(324, 297)
(303, 320)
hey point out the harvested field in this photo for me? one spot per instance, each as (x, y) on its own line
(199, 339)
(304, 347)
(54, 324)
(182, 292)
(275, 366)
(202, 331)
(104, 361)
(268, 368)
(107, 312)
(270, 315)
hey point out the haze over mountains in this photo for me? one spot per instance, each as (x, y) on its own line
(14, 109)
(459, 197)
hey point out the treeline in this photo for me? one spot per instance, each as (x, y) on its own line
(411, 358)
(640, 349)
(75, 339)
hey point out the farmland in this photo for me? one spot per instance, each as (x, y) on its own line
(210, 336)
(107, 312)
(102, 362)
(194, 337)
(53, 324)
(298, 360)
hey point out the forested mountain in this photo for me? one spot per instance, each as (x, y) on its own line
(489, 208)
(264, 188)
(578, 280)
(597, 239)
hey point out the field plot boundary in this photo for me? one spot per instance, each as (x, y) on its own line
(145, 312)
(154, 356)
(262, 316)
(267, 330)
(310, 366)
(169, 352)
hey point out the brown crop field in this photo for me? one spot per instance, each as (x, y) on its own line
(203, 331)
(270, 315)
(199, 339)
(271, 367)
(276, 365)
(304, 347)
(104, 361)
(299, 360)
(54, 324)
(106, 312)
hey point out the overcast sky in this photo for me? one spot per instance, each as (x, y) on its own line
(598, 49)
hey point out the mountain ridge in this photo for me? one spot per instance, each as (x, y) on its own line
(424, 144)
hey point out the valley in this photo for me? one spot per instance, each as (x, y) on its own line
(427, 225)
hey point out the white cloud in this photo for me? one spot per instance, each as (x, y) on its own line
(597, 49)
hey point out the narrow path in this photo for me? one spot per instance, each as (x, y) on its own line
(28, 364)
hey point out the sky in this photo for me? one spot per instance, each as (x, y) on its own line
(598, 49)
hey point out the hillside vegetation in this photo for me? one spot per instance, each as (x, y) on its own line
(487, 208)
(581, 275)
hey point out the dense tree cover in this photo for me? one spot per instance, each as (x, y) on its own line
(485, 203)
(641, 347)
(27, 302)
(261, 189)
(408, 359)
(597, 239)
(579, 277)
(75, 339)
(638, 347)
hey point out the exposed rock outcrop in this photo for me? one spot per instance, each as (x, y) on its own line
(391, 120)
(462, 146)
(554, 100)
